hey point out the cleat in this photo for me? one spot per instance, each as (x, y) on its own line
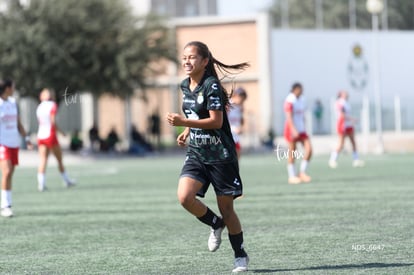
(41, 188)
(333, 164)
(214, 240)
(240, 264)
(6, 212)
(358, 163)
(305, 178)
(294, 180)
(70, 184)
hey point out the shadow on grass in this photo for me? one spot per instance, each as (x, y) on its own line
(334, 267)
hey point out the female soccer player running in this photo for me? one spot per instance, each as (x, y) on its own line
(235, 115)
(211, 155)
(295, 132)
(47, 139)
(10, 131)
(345, 128)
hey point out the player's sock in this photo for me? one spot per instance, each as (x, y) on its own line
(41, 180)
(334, 156)
(211, 219)
(237, 245)
(291, 170)
(65, 177)
(304, 166)
(355, 155)
(6, 198)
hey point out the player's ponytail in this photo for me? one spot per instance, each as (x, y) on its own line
(213, 63)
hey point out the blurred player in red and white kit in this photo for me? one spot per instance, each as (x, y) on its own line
(47, 138)
(235, 115)
(295, 132)
(10, 131)
(345, 128)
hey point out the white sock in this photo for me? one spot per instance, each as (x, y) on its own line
(355, 155)
(65, 177)
(6, 198)
(291, 170)
(41, 180)
(334, 156)
(304, 166)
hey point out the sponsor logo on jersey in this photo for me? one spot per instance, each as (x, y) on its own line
(205, 139)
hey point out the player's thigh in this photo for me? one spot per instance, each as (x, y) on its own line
(57, 152)
(188, 188)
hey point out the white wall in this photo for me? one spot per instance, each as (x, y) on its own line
(320, 61)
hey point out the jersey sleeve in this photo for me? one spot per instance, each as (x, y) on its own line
(53, 110)
(288, 107)
(215, 96)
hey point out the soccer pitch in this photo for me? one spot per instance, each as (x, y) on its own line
(124, 218)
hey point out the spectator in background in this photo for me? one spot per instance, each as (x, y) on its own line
(76, 142)
(94, 138)
(139, 144)
(318, 114)
(155, 129)
(112, 140)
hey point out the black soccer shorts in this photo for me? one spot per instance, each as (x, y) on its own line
(224, 177)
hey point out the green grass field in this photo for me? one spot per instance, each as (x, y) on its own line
(123, 218)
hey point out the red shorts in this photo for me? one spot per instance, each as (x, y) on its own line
(7, 153)
(301, 137)
(346, 131)
(50, 142)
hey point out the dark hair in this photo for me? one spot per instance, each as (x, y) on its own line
(6, 83)
(225, 69)
(241, 92)
(296, 85)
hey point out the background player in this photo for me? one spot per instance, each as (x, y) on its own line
(47, 138)
(295, 132)
(235, 115)
(211, 155)
(10, 131)
(345, 128)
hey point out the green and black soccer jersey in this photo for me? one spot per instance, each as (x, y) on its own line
(209, 146)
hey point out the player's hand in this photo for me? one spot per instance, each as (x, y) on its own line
(295, 133)
(182, 138)
(175, 119)
(238, 130)
(29, 145)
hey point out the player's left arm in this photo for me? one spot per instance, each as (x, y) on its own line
(53, 120)
(23, 132)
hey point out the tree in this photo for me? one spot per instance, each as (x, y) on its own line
(89, 45)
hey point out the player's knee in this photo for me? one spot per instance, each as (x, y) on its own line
(185, 199)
